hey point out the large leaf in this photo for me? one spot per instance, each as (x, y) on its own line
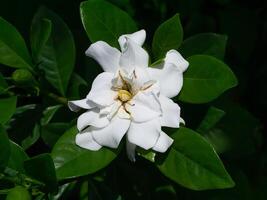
(40, 33)
(205, 43)
(8, 108)
(57, 55)
(17, 157)
(205, 79)
(13, 50)
(103, 21)
(5, 148)
(193, 163)
(72, 161)
(42, 168)
(169, 35)
(18, 193)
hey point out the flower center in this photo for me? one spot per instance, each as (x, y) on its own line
(124, 95)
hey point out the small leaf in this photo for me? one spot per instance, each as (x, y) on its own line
(32, 138)
(48, 114)
(204, 43)
(72, 161)
(210, 120)
(18, 193)
(17, 157)
(8, 108)
(40, 33)
(169, 35)
(5, 148)
(42, 168)
(193, 163)
(205, 79)
(57, 56)
(104, 21)
(13, 50)
(3, 84)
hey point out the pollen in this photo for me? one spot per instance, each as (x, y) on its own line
(124, 95)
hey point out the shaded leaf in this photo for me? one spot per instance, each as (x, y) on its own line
(5, 148)
(8, 108)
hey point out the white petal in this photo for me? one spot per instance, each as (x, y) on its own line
(144, 134)
(107, 56)
(92, 118)
(144, 107)
(170, 112)
(130, 148)
(176, 58)
(101, 92)
(139, 77)
(170, 73)
(163, 143)
(133, 56)
(85, 140)
(138, 37)
(112, 134)
(78, 104)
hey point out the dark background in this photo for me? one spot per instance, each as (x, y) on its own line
(245, 24)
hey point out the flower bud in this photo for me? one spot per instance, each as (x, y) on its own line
(23, 77)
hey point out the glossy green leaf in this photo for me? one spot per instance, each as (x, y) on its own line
(205, 79)
(40, 33)
(17, 157)
(204, 43)
(51, 132)
(193, 163)
(42, 168)
(72, 161)
(104, 21)
(48, 114)
(169, 35)
(57, 56)
(210, 120)
(18, 193)
(13, 50)
(5, 148)
(8, 108)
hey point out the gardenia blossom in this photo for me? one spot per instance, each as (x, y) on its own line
(129, 98)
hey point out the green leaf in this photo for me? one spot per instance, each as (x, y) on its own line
(77, 85)
(17, 157)
(104, 21)
(57, 56)
(40, 33)
(193, 163)
(204, 43)
(3, 83)
(5, 148)
(72, 161)
(8, 108)
(51, 132)
(32, 138)
(42, 168)
(169, 35)
(13, 50)
(18, 193)
(212, 117)
(205, 79)
(48, 114)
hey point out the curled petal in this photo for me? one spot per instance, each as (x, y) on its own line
(176, 58)
(144, 134)
(78, 104)
(112, 134)
(138, 37)
(85, 140)
(101, 92)
(163, 143)
(144, 107)
(170, 112)
(92, 118)
(107, 56)
(133, 56)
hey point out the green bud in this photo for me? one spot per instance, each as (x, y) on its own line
(23, 77)
(18, 192)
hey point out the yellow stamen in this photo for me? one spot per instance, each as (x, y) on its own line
(124, 95)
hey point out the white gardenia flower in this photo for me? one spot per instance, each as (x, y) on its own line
(129, 98)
